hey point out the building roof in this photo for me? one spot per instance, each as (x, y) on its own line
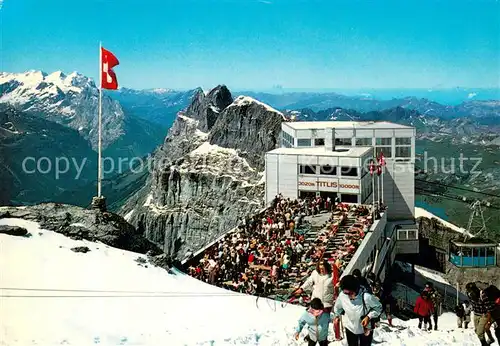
(321, 151)
(367, 125)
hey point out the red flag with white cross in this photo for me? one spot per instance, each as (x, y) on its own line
(108, 76)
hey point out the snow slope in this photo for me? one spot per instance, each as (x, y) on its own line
(105, 297)
(420, 212)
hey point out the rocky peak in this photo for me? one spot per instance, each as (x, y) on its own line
(250, 126)
(206, 108)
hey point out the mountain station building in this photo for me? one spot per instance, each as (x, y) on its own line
(332, 158)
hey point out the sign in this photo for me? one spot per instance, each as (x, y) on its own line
(318, 194)
(330, 184)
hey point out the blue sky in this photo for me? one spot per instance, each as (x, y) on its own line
(252, 44)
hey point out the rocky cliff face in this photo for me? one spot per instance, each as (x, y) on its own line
(207, 175)
(250, 126)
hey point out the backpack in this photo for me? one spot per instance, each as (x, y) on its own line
(373, 321)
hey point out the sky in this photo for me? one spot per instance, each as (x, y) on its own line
(257, 44)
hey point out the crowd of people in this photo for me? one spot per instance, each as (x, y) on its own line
(269, 252)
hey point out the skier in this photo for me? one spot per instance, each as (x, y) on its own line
(320, 282)
(358, 307)
(317, 320)
(481, 307)
(424, 308)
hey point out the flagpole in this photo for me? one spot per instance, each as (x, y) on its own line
(99, 168)
(382, 175)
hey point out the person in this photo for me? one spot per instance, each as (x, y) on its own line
(320, 282)
(481, 308)
(424, 309)
(359, 307)
(467, 311)
(460, 312)
(362, 280)
(492, 294)
(435, 298)
(317, 321)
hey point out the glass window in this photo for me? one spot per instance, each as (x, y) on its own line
(364, 142)
(349, 198)
(306, 169)
(343, 141)
(402, 235)
(304, 142)
(403, 141)
(328, 170)
(412, 234)
(384, 141)
(349, 171)
(319, 142)
(386, 150)
(403, 151)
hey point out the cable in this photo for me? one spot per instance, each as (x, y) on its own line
(458, 188)
(449, 197)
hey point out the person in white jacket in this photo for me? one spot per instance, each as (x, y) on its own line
(358, 307)
(321, 284)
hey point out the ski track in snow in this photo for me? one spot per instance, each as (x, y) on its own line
(178, 310)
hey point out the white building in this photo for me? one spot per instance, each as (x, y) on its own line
(332, 158)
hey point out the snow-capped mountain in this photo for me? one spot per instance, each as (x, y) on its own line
(71, 100)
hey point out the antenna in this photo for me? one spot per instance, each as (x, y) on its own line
(476, 221)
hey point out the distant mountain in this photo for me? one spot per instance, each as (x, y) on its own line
(486, 112)
(475, 128)
(28, 178)
(72, 100)
(155, 105)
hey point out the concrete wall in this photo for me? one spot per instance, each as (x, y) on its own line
(372, 240)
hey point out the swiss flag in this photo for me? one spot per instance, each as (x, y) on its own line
(381, 159)
(108, 76)
(372, 167)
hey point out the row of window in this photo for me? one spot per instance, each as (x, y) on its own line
(344, 197)
(286, 140)
(328, 170)
(409, 234)
(306, 142)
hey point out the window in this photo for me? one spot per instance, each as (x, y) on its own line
(386, 150)
(412, 234)
(286, 140)
(403, 151)
(343, 141)
(402, 235)
(348, 198)
(304, 142)
(403, 141)
(349, 171)
(364, 142)
(304, 169)
(328, 170)
(384, 141)
(318, 142)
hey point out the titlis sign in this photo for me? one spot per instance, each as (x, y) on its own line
(330, 184)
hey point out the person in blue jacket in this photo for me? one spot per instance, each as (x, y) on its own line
(317, 320)
(358, 307)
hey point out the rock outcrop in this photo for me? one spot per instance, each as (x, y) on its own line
(78, 223)
(207, 175)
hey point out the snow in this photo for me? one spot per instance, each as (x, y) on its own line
(129, 215)
(207, 148)
(431, 275)
(121, 302)
(420, 212)
(246, 100)
(149, 199)
(78, 224)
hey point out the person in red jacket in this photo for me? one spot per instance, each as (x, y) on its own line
(424, 309)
